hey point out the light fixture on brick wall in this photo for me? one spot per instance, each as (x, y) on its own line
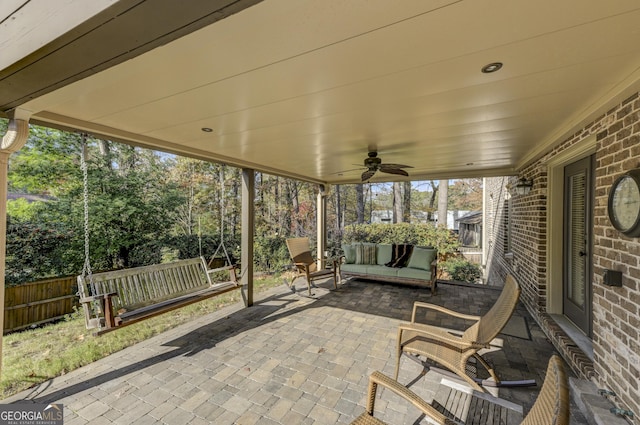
(523, 187)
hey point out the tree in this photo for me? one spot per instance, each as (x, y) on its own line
(406, 202)
(397, 202)
(466, 195)
(443, 190)
(360, 203)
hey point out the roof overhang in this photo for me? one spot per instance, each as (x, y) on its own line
(305, 89)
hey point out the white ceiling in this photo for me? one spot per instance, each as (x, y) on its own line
(304, 88)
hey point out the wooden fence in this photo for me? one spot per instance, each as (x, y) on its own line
(38, 302)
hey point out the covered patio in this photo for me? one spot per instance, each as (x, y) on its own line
(291, 359)
(528, 91)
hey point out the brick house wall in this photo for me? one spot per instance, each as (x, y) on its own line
(616, 310)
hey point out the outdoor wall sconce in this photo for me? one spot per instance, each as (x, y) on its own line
(523, 187)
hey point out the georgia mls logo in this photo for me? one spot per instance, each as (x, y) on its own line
(31, 414)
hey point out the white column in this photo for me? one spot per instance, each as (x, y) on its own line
(12, 141)
(248, 230)
(321, 226)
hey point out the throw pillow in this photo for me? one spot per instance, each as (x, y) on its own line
(366, 253)
(349, 254)
(421, 258)
(385, 252)
(401, 254)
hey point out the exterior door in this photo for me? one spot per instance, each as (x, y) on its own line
(578, 217)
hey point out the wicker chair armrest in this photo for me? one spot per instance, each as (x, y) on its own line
(378, 378)
(445, 338)
(418, 304)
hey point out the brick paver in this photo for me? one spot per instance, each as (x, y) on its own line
(289, 359)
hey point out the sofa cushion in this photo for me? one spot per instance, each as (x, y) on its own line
(382, 271)
(421, 258)
(354, 268)
(366, 253)
(384, 255)
(408, 272)
(400, 256)
(349, 254)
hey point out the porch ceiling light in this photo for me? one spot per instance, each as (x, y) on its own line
(523, 187)
(492, 67)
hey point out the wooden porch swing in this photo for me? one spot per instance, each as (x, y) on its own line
(115, 299)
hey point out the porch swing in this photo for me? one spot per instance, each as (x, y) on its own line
(115, 299)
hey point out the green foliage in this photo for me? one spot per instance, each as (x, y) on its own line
(416, 234)
(179, 247)
(462, 270)
(37, 250)
(22, 210)
(270, 253)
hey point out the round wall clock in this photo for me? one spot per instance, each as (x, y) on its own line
(624, 203)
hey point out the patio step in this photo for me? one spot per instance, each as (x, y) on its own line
(595, 407)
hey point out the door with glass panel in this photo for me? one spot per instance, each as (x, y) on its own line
(578, 217)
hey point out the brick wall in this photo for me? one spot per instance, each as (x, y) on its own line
(616, 310)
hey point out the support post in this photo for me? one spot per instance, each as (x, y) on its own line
(248, 230)
(15, 137)
(321, 226)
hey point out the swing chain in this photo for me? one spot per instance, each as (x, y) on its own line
(86, 268)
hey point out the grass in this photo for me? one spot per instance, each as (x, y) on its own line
(37, 355)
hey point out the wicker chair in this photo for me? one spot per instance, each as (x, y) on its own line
(454, 351)
(550, 408)
(306, 265)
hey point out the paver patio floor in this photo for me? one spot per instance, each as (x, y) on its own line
(289, 359)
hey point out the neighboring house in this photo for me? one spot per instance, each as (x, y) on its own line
(470, 229)
(558, 241)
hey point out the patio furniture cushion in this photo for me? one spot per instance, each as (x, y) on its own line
(385, 252)
(413, 273)
(421, 258)
(366, 253)
(401, 253)
(349, 253)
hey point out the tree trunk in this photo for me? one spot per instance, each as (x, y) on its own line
(338, 210)
(442, 202)
(360, 203)
(397, 202)
(406, 202)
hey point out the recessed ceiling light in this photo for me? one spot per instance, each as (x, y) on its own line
(492, 67)
(207, 129)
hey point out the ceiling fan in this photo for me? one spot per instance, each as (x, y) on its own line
(373, 164)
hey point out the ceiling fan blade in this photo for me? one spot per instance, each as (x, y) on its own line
(385, 165)
(368, 174)
(398, 171)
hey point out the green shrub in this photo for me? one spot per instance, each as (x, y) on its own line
(462, 270)
(416, 234)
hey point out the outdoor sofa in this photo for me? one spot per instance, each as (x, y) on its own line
(397, 263)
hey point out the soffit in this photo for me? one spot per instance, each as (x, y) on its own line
(306, 88)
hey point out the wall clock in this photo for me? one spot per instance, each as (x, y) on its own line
(624, 203)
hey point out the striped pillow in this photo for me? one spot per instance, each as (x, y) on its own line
(366, 253)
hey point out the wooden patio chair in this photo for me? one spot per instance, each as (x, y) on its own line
(306, 265)
(550, 408)
(457, 350)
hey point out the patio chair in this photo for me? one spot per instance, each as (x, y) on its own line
(550, 408)
(458, 350)
(306, 265)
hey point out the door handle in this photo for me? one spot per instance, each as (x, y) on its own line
(582, 253)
